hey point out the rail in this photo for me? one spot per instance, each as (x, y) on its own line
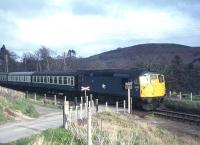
(185, 117)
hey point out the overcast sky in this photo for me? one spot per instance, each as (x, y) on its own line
(95, 26)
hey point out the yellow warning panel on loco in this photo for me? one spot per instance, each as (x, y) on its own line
(152, 85)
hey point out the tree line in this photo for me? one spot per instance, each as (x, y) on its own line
(179, 75)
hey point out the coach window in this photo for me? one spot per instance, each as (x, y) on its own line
(72, 81)
(68, 80)
(65, 80)
(45, 79)
(48, 79)
(55, 80)
(51, 80)
(41, 79)
(60, 80)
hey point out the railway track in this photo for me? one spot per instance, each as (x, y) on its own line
(184, 117)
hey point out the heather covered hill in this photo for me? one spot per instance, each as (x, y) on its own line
(144, 54)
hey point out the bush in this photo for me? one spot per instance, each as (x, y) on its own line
(183, 106)
(24, 106)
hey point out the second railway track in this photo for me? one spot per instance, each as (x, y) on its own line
(184, 117)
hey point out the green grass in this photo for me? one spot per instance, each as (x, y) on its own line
(183, 106)
(25, 141)
(57, 136)
(24, 106)
(18, 104)
(43, 102)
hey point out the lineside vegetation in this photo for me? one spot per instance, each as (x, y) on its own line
(116, 129)
(185, 106)
(15, 107)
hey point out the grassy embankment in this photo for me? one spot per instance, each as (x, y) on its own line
(43, 102)
(186, 106)
(50, 137)
(14, 105)
(116, 130)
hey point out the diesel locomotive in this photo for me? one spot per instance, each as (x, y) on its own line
(148, 88)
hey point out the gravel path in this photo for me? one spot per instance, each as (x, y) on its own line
(50, 118)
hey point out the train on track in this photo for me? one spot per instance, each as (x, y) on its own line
(148, 88)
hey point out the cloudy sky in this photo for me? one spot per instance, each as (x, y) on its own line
(95, 26)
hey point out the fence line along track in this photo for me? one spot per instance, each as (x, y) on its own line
(184, 117)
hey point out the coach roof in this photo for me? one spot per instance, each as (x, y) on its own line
(20, 73)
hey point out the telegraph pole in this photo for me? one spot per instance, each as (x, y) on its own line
(6, 60)
(64, 62)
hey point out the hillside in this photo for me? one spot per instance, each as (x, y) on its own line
(143, 54)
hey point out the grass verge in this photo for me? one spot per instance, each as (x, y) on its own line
(119, 129)
(10, 105)
(43, 102)
(183, 106)
(58, 136)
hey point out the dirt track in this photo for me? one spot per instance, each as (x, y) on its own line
(50, 118)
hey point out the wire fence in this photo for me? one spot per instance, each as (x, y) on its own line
(10, 93)
(184, 96)
(89, 130)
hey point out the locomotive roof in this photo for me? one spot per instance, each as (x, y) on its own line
(3, 73)
(115, 72)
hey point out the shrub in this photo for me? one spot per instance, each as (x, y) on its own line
(183, 106)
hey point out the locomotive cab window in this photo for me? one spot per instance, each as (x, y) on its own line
(136, 81)
(144, 79)
(161, 78)
(153, 77)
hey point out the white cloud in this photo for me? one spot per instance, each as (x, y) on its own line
(60, 25)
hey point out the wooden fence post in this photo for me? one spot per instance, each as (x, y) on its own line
(81, 100)
(87, 101)
(55, 101)
(70, 114)
(117, 106)
(81, 111)
(45, 96)
(76, 115)
(106, 106)
(35, 96)
(124, 106)
(66, 114)
(75, 100)
(170, 93)
(97, 105)
(26, 94)
(65, 98)
(89, 129)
